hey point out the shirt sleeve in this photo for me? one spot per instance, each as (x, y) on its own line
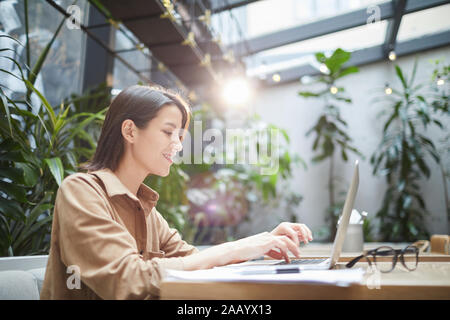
(103, 250)
(171, 242)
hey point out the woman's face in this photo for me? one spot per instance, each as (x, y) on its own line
(155, 146)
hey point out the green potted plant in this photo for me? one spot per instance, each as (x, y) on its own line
(330, 129)
(439, 99)
(39, 147)
(401, 158)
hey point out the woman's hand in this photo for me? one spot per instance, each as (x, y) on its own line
(276, 244)
(295, 231)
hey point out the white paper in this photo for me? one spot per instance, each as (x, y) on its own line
(343, 277)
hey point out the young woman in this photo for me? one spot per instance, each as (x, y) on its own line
(108, 240)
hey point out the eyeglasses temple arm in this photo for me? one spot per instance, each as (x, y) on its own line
(352, 262)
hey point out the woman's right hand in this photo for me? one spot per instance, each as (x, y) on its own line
(265, 243)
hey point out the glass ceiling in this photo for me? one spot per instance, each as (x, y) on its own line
(425, 22)
(267, 16)
(302, 52)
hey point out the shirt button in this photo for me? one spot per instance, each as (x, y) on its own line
(141, 252)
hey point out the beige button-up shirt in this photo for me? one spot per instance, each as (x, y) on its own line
(106, 243)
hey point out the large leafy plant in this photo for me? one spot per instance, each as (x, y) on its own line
(439, 98)
(330, 130)
(40, 145)
(401, 158)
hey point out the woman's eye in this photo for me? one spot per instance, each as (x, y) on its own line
(168, 133)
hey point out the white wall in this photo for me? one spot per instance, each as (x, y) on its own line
(282, 106)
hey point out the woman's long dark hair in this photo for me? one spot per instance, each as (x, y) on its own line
(139, 104)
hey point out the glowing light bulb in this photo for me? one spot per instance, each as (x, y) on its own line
(392, 56)
(333, 90)
(276, 77)
(236, 91)
(323, 68)
(440, 81)
(387, 89)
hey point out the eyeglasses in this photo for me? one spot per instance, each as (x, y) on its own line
(409, 257)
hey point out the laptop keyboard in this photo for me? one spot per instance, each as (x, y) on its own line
(303, 261)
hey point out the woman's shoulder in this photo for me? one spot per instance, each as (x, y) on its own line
(81, 181)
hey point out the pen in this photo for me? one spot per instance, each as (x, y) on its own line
(270, 271)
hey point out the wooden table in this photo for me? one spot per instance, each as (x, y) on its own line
(431, 280)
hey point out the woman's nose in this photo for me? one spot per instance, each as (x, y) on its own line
(176, 144)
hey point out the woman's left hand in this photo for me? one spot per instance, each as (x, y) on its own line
(295, 231)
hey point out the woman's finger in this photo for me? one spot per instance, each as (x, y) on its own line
(287, 230)
(304, 232)
(308, 232)
(291, 246)
(283, 246)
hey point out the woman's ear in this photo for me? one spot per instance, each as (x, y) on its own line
(128, 130)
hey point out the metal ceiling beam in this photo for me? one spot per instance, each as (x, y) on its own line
(324, 27)
(394, 25)
(368, 55)
(218, 6)
(165, 37)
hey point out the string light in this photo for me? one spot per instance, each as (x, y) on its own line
(170, 11)
(229, 56)
(276, 77)
(392, 55)
(206, 61)
(333, 89)
(115, 92)
(387, 89)
(140, 46)
(162, 67)
(192, 96)
(206, 18)
(217, 40)
(323, 68)
(190, 40)
(440, 81)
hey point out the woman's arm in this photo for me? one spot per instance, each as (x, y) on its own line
(286, 237)
(170, 240)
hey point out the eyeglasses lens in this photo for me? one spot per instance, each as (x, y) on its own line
(410, 258)
(384, 259)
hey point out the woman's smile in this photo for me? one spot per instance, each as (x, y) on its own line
(168, 157)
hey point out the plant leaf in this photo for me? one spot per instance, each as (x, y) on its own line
(56, 168)
(348, 71)
(400, 76)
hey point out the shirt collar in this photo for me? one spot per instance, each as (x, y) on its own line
(114, 187)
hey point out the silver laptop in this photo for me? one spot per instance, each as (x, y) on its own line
(277, 266)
